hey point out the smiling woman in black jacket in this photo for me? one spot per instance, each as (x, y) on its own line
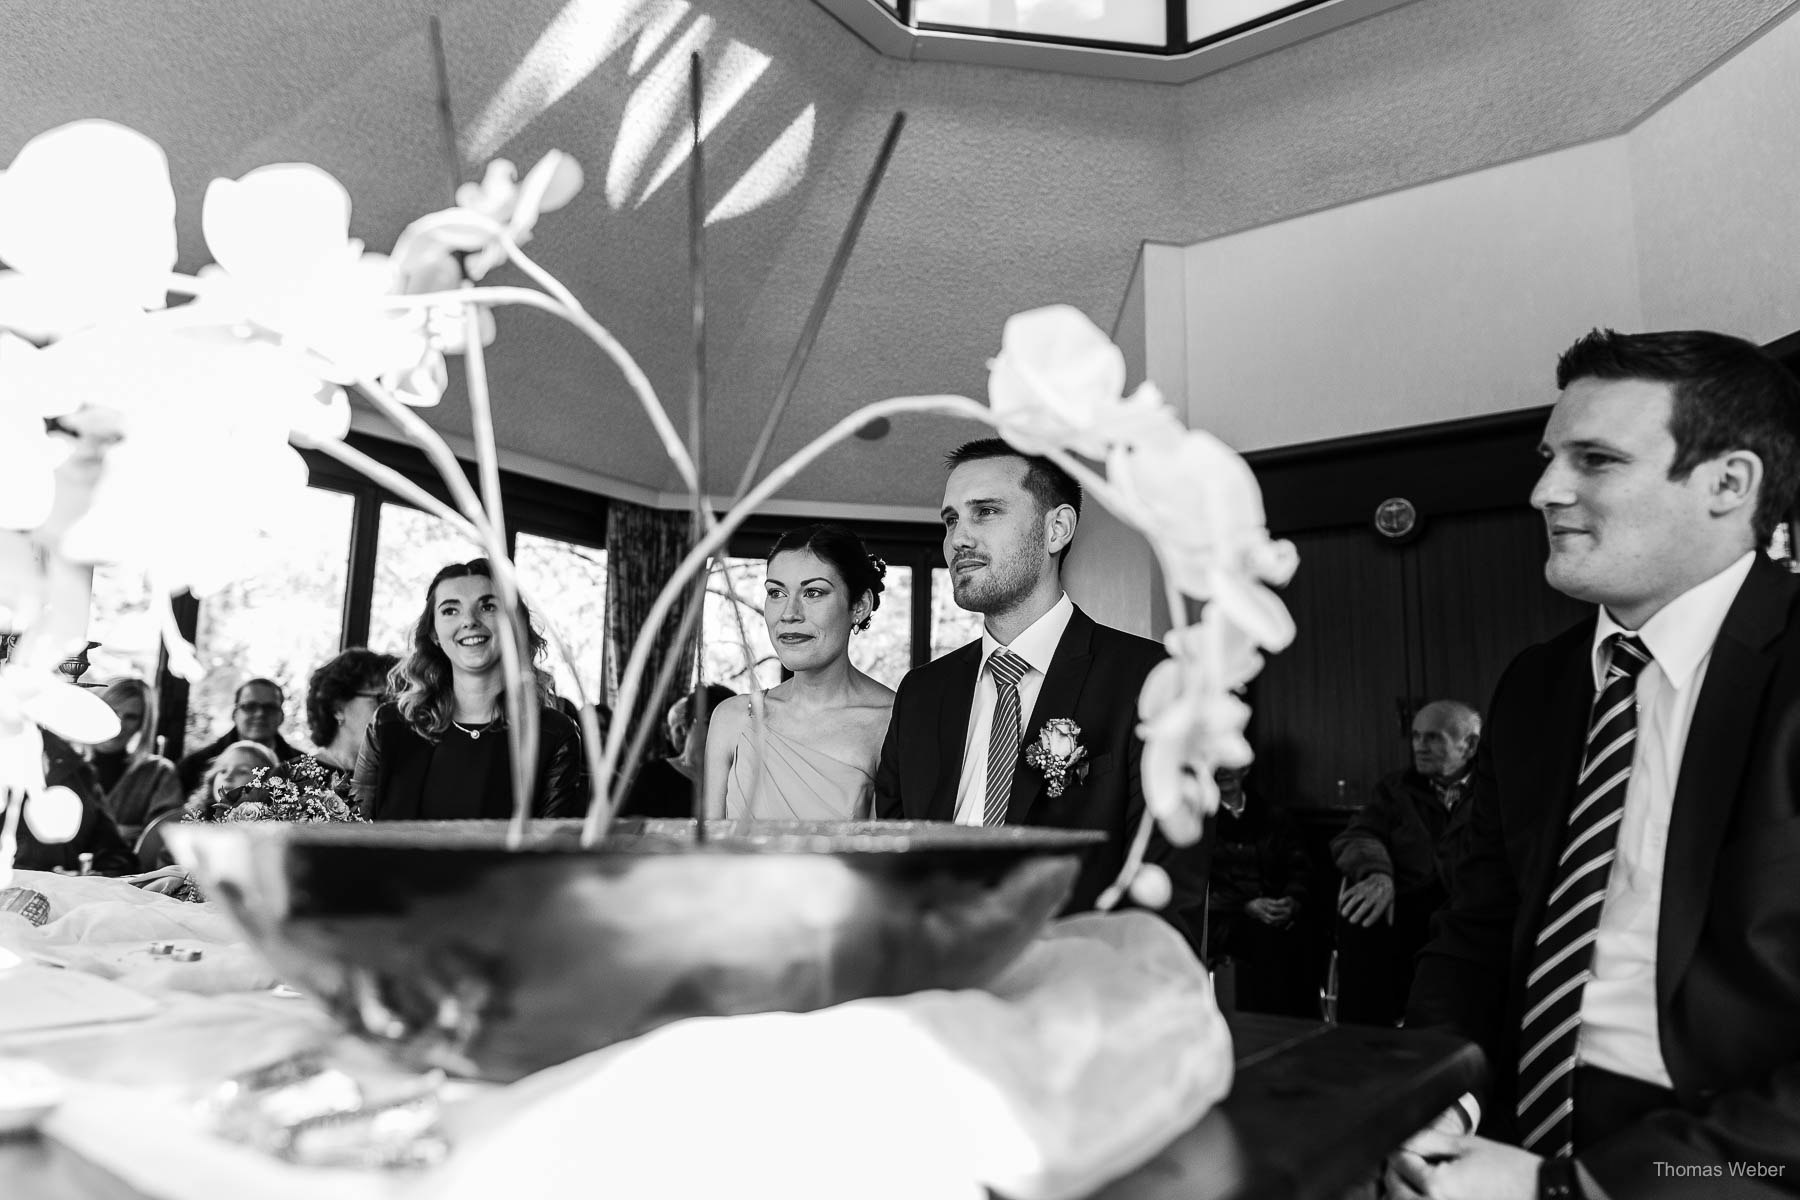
(439, 750)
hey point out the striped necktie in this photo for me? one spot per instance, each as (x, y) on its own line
(1003, 734)
(1561, 962)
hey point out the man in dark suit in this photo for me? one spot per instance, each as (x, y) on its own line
(1623, 937)
(957, 743)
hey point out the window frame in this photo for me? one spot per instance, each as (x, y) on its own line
(539, 507)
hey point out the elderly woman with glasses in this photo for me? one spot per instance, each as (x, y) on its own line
(341, 697)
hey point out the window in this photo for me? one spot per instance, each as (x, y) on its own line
(567, 583)
(1139, 22)
(411, 548)
(280, 619)
(950, 626)
(355, 572)
(885, 651)
(1210, 18)
(732, 619)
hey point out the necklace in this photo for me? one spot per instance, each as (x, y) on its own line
(474, 731)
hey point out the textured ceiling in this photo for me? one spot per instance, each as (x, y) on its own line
(1009, 188)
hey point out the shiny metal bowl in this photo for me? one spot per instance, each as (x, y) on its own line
(439, 942)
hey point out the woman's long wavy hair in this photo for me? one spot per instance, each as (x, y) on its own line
(421, 682)
(142, 745)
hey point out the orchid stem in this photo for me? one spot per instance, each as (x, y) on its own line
(522, 732)
(406, 489)
(777, 479)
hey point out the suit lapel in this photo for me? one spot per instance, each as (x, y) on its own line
(1713, 764)
(1557, 763)
(1062, 688)
(954, 706)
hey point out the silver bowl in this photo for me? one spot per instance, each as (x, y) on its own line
(436, 940)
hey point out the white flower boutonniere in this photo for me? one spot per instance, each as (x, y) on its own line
(1057, 751)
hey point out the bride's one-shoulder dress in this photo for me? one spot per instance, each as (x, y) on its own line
(798, 782)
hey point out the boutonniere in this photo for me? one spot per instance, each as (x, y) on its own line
(1058, 751)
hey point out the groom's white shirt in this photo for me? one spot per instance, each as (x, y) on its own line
(1037, 646)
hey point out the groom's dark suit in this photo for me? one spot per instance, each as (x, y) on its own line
(1094, 679)
(1728, 939)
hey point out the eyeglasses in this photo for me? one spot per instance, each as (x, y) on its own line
(374, 695)
(266, 709)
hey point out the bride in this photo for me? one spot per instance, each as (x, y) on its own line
(806, 749)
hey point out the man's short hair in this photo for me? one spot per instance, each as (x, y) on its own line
(1047, 483)
(1729, 394)
(237, 697)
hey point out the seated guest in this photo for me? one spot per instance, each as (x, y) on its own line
(1255, 892)
(1624, 929)
(963, 723)
(439, 750)
(97, 835)
(665, 783)
(341, 697)
(256, 716)
(234, 768)
(137, 784)
(1398, 858)
(807, 748)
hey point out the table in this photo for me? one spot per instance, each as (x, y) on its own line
(1313, 1108)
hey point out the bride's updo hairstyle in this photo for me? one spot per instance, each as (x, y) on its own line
(860, 570)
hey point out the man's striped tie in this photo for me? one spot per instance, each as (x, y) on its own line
(1562, 960)
(1003, 734)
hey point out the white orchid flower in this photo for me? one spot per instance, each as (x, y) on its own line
(144, 516)
(30, 699)
(145, 395)
(54, 814)
(87, 224)
(1197, 501)
(1058, 383)
(1192, 722)
(500, 203)
(286, 262)
(29, 456)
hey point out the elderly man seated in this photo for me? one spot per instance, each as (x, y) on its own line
(1398, 856)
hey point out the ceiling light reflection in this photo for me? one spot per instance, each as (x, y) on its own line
(663, 35)
(581, 37)
(655, 106)
(727, 80)
(773, 174)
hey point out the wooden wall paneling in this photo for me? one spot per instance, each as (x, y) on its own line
(1477, 597)
(1325, 706)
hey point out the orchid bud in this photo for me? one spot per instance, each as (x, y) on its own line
(53, 815)
(1150, 887)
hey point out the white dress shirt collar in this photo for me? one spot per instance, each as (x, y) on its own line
(1037, 644)
(1683, 631)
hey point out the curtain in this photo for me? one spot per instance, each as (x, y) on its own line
(643, 548)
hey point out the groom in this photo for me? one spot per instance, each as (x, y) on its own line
(962, 725)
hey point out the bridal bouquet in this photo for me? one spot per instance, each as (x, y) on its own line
(104, 383)
(298, 791)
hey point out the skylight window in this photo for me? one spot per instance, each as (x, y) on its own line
(1166, 40)
(1128, 22)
